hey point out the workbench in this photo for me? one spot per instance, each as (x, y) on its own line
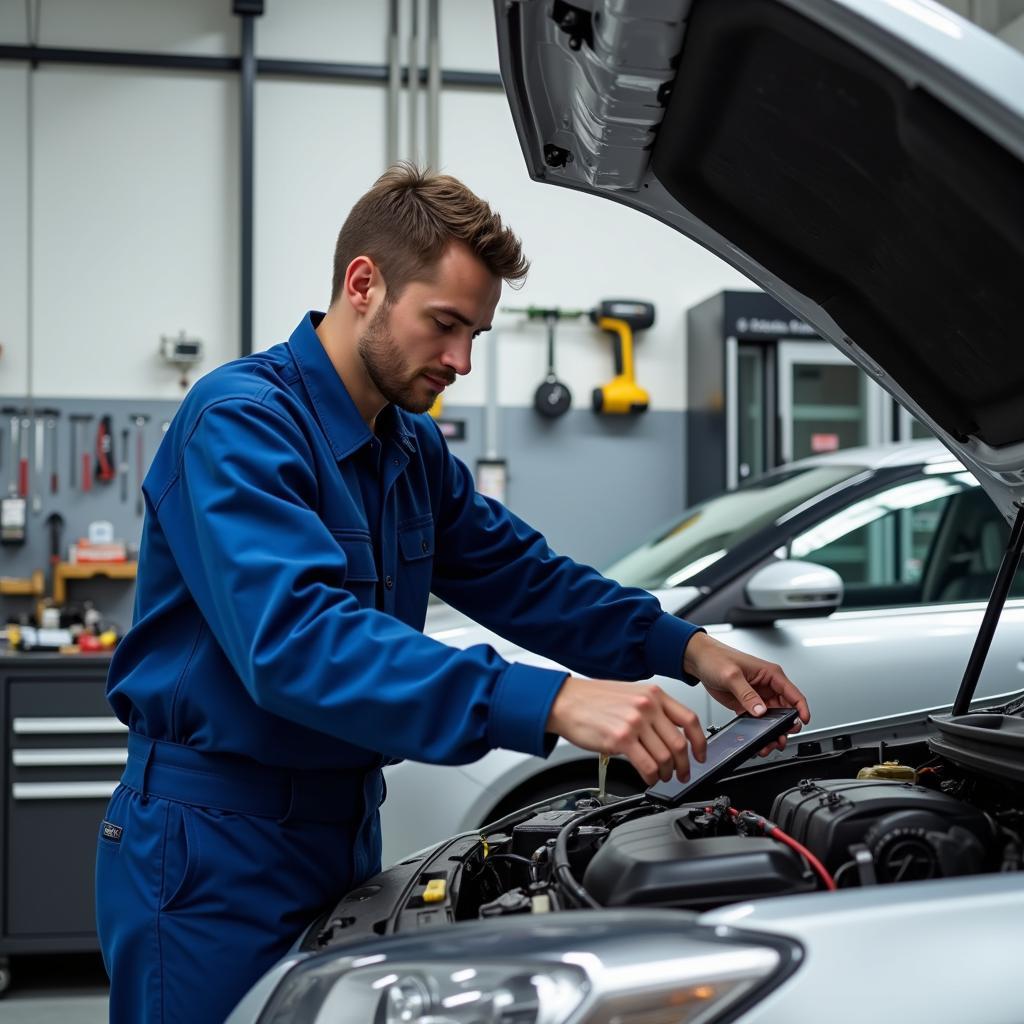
(64, 571)
(62, 754)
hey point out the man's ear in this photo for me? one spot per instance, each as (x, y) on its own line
(362, 280)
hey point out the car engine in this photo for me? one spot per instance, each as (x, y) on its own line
(851, 816)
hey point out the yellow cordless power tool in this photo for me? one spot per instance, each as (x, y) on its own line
(622, 317)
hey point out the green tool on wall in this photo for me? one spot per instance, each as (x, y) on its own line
(552, 397)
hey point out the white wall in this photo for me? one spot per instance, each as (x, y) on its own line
(136, 202)
(13, 221)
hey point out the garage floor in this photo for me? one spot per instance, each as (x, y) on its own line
(56, 990)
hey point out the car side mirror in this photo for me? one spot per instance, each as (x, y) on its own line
(788, 590)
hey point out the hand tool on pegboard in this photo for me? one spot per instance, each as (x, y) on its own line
(55, 524)
(39, 460)
(106, 468)
(72, 451)
(52, 435)
(140, 419)
(80, 449)
(24, 450)
(122, 465)
(12, 507)
(14, 423)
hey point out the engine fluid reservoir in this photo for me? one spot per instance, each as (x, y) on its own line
(892, 770)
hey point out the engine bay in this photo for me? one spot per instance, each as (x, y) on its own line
(855, 816)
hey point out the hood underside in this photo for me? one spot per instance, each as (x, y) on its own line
(849, 160)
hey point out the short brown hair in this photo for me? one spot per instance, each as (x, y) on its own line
(407, 220)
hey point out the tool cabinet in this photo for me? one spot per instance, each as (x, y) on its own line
(63, 752)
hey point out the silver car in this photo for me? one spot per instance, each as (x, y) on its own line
(863, 572)
(861, 160)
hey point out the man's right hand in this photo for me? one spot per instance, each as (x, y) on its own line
(638, 720)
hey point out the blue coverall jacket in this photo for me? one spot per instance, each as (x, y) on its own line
(276, 663)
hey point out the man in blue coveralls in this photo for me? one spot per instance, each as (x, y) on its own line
(298, 513)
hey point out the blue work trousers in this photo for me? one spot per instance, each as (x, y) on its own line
(208, 871)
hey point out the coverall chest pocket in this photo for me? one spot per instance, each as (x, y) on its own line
(416, 548)
(360, 565)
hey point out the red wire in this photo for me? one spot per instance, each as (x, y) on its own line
(776, 833)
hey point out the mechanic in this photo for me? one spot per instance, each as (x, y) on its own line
(299, 511)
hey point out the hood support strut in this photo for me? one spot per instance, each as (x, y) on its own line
(1000, 589)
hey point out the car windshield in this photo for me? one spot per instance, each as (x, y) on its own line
(706, 532)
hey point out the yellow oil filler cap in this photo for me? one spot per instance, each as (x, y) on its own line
(890, 770)
(435, 891)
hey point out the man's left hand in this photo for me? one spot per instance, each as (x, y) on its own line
(742, 682)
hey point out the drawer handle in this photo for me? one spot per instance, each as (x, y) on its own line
(62, 790)
(84, 724)
(74, 758)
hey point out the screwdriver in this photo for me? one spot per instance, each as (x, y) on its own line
(40, 428)
(122, 467)
(24, 446)
(51, 427)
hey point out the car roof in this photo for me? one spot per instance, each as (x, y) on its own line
(879, 456)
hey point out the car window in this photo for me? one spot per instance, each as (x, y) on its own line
(969, 548)
(936, 538)
(706, 532)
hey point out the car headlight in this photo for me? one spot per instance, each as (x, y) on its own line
(631, 967)
(430, 993)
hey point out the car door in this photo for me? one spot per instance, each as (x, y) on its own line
(917, 559)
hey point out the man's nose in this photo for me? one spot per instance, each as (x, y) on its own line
(457, 356)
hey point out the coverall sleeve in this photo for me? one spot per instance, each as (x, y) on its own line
(241, 518)
(500, 571)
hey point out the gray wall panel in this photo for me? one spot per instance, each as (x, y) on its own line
(595, 486)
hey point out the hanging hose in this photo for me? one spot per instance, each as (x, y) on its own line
(560, 857)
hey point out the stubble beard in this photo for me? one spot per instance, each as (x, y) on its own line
(387, 367)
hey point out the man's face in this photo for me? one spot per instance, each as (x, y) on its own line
(415, 347)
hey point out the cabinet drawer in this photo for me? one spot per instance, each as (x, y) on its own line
(56, 697)
(51, 859)
(65, 754)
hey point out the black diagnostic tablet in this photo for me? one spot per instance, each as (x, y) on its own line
(744, 736)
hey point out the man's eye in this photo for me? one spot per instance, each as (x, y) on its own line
(442, 326)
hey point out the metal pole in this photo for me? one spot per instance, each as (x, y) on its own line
(414, 84)
(491, 399)
(1000, 589)
(434, 85)
(394, 83)
(265, 67)
(33, 11)
(247, 87)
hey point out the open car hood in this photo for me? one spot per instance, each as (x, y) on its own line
(860, 160)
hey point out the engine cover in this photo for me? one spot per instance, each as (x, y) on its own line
(911, 832)
(652, 862)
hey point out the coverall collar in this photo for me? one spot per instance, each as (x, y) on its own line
(345, 429)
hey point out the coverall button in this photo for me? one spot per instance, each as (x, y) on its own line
(388, 582)
(424, 546)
